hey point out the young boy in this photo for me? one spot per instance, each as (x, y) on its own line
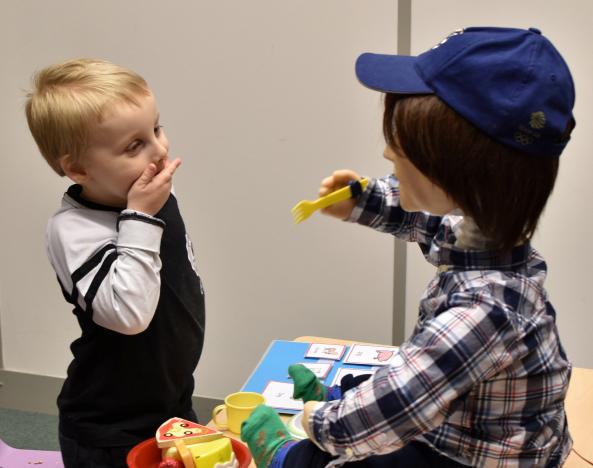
(474, 127)
(122, 257)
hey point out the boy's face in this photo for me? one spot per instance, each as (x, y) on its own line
(416, 191)
(120, 148)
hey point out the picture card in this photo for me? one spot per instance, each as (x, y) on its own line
(325, 351)
(279, 395)
(320, 369)
(342, 371)
(371, 355)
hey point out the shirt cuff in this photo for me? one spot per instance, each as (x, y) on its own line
(361, 202)
(139, 231)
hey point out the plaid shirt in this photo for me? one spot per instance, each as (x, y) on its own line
(483, 377)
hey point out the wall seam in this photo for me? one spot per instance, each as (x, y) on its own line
(404, 39)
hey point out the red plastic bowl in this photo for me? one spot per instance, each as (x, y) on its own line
(148, 455)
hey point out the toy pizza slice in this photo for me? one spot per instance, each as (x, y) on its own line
(182, 430)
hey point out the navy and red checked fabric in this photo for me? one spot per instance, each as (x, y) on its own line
(483, 377)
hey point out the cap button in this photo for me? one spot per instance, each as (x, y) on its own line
(535, 30)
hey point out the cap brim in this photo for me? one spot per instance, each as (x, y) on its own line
(390, 74)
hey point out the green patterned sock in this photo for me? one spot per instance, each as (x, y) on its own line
(264, 434)
(306, 385)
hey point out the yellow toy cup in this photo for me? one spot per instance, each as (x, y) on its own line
(238, 408)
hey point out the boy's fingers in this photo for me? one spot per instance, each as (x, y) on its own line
(343, 176)
(173, 165)
(148, 174)
(170, 167)
(337, 180)
(166, 173)
(326, 186)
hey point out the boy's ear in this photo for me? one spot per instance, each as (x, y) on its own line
(72, 169)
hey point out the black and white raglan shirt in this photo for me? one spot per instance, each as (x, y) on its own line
(136, 293)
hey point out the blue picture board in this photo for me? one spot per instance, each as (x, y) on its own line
(281, 354)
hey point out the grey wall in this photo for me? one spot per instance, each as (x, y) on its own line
(260, 101)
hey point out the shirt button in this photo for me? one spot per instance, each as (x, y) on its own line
(349, 452)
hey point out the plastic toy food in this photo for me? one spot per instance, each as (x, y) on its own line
(181, 429)
(170, 463)
(217, 453)
(192, 445)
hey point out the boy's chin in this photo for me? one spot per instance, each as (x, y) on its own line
(406, 204)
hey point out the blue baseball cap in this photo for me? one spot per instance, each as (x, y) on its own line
(510, 83)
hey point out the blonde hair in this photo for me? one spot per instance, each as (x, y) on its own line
(68, 98)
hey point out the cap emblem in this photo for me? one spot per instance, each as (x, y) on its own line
(537, 120)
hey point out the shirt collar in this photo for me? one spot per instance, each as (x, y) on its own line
(449, 254)
(75, 192)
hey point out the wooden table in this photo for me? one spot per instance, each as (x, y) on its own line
(579, 409)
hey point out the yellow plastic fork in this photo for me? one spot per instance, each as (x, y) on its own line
(305, 208)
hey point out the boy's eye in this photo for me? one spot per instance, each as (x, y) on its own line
(134, 146)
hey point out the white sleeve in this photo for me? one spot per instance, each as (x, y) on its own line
(111, 273)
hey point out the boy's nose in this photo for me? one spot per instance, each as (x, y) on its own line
(161, 152)
(159, 158)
